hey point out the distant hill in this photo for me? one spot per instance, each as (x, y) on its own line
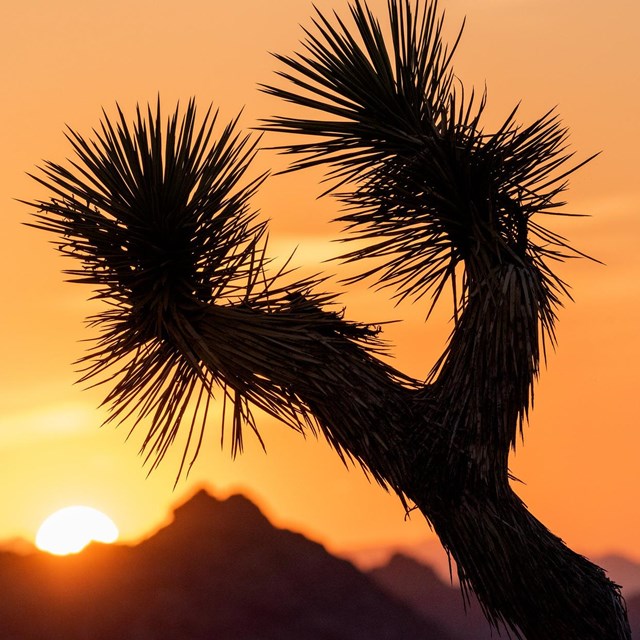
(19, 546)
(219, 571)
(623, 571)
(419, 586)
(633, 605)
(620, 569)
(429, 552)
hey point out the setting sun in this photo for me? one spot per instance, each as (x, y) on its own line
(71, 529)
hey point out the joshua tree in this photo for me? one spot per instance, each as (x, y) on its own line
(158, 217)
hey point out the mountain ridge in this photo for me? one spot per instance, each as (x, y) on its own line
(219, 570)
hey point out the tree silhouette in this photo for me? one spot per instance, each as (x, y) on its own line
(158, 217)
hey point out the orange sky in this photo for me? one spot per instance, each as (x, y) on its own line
(63, 61)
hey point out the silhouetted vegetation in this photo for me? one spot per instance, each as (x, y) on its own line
(157, 217)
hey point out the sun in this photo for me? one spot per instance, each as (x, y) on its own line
(71, 529)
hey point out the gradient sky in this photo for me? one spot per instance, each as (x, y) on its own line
(64, 61)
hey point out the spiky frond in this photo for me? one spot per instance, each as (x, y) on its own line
(161, 224)
(139, 207)
(159, 219)
(425, 188)
(378, 100)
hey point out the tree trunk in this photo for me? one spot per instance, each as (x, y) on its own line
(443, 446)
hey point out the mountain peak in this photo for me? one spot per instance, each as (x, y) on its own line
(205, 510)
(412, 568)
(201, 501)
(419, 586)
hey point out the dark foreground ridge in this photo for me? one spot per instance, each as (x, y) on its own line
(219, 571)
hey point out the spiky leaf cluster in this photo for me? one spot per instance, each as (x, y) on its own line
(158, 218)
(425, 188)
(141, 206)
(157, 215)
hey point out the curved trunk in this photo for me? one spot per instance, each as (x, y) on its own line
(443, 446)
(524, 575)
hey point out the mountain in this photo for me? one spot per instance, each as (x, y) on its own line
(623, 571)
(419, 586)
(219, 570)
(19, 546)
(633, 605)
(427, 552)
(620, 569)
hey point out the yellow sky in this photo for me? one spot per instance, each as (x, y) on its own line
(62, 62)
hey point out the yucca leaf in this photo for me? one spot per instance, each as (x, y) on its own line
(422, 183)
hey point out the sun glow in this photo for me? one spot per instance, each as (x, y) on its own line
(71, 529)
